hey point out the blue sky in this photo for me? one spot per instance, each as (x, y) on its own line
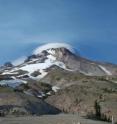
(88, 25)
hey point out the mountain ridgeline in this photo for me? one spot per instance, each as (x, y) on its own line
(61, 56)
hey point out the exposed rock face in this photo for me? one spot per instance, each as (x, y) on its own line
(8, 64)
(17, 103)
(83, 65)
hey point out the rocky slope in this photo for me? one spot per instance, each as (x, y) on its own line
(17, 103)
(78, 93)
(55, 79)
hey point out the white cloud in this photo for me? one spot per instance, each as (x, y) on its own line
(52, 45)
(19, 60)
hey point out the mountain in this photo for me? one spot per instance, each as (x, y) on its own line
(58, 54)
(57, 77)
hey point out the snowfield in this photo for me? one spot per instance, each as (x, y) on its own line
(42, 66)
(12, 83)
(105, 70)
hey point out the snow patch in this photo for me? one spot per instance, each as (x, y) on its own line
(38, 66)
(105, 70)
(9, 73)
(52, 58)
(51, 51)
(55, 88)
(12, 83)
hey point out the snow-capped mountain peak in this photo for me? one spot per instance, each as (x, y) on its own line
(35, 66)
(51, 46)
(63, 56)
